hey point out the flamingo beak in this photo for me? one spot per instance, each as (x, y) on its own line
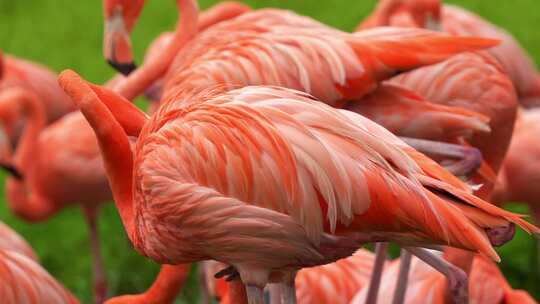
(117, 44)
(432, 24)
(5, 153)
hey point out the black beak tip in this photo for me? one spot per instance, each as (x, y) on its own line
(124, 68)
(13, 171)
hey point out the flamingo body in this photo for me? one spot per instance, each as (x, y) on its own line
(23, 279)
(216, 171)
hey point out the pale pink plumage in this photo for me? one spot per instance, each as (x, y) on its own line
(22, 279)
(272, 172)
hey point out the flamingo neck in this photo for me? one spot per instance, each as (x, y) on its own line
(384, 11)
(168, 284)
(23, 202)
(150, 71)
(113, 143)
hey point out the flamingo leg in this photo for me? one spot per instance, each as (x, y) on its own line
(380, 257)
(275, 291)
(100, 284)
(255, 294)
(237, 292)
(403, 277)
(470, 158)
(205, 293)
(457, 278)
(288, 294)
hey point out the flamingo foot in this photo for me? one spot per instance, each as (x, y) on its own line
(501, 235)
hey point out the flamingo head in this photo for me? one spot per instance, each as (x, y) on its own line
(6, 155)
(426, 13)
(421, 13)
(120, 18)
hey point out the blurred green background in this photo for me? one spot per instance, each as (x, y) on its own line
(67, 34)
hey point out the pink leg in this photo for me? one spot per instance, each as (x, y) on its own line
(470, 158)
(380, 258)
(275, 290)
(205, 293)
(288, 290)
(100, 284)
(403, 277)
(457, 278)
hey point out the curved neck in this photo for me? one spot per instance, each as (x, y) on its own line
(384, 11)
(23, 202)
(113, 143)
(28, 148)
(150, 71)
(168, 284)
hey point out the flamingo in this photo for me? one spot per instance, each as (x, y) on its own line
(54, 183)
(458, 21)
(204, 55)
(267, 186)
(486, 285)
(474, 81)
(55, 166)
(217, 51)
(16, 72)
(23, 279)
(120, 18)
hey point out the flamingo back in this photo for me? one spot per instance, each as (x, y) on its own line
(10, 240)
(25, 281)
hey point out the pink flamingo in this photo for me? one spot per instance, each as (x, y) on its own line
(458, 21)
(55, 166)
(15, 72)
(471, 81)
(23, 279)
(120, 18)
(204, 53)
(50, 183)
(266, 188)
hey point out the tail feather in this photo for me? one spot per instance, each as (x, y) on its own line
(460, 229)
(478, 203)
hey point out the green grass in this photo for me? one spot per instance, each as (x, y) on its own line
(67, 34)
